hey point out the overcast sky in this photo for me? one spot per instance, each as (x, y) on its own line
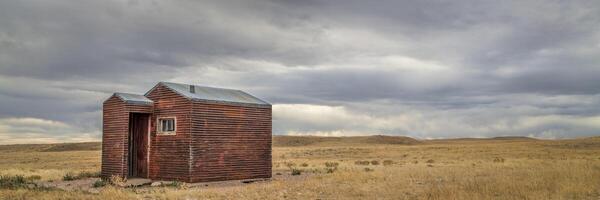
(425, 69)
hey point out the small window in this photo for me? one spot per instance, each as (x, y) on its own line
(166, 126)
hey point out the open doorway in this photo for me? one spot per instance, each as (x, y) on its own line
(138, 145)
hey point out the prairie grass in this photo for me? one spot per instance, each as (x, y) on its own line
(460, 169)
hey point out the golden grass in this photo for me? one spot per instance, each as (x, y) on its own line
(441, 169)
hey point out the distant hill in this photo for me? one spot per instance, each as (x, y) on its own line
(83, 146)
(282, 141)
(500, 138)
(278, 141)
(286, 141)
(513, 138)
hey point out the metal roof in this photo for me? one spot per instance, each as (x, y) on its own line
(133, 98)
(214, 94)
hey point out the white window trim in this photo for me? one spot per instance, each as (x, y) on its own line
(159, 126)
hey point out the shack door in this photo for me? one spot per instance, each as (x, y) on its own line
(138, 145)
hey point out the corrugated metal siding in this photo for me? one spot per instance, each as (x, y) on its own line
(230, 142)
(170, 154)
(115, 130)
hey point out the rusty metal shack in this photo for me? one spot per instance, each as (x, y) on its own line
(186, 133)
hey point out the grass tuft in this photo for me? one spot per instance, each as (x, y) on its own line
(99, 183)
(296, 172)
(388, 162)
(69, 176)
(362, 162)
(331, 167)
(13, 182)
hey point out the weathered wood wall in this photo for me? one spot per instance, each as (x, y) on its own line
(115, 131)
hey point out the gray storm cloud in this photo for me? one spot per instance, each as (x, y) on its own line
(427, 69)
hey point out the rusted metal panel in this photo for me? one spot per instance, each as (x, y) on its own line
(169, 154)
(115, 134)
(230, 142)
(114, 130)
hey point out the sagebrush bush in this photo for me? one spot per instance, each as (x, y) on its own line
(13, 182)
(176, 184)
(99, 183)
(362, 162)
(374, 162)
(388, 162)
(116, 180)
(331, 167)
(332, 164)
(498, 160)
(290, 164)
(83, 174)
(296, 172)
(69, 177)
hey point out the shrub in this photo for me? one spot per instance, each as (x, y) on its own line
(84, 174)
(368, 169)
(177, 184)
(332, 164)
(359, 162)
(13, 182)
(498, 160)
(69, 177)
(430, 161)
(290, 164)
(304, 165)
(388, 162)
(296, 172)
(331, 167)
(117, 180)
(374, 162)
(99, 183)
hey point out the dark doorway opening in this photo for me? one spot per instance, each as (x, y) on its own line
(138, 145)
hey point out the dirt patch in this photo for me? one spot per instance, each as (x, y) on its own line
(86, 184)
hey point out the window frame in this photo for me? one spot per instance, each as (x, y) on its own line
(159, 130)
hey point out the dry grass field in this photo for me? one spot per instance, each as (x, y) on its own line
(374, 167)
